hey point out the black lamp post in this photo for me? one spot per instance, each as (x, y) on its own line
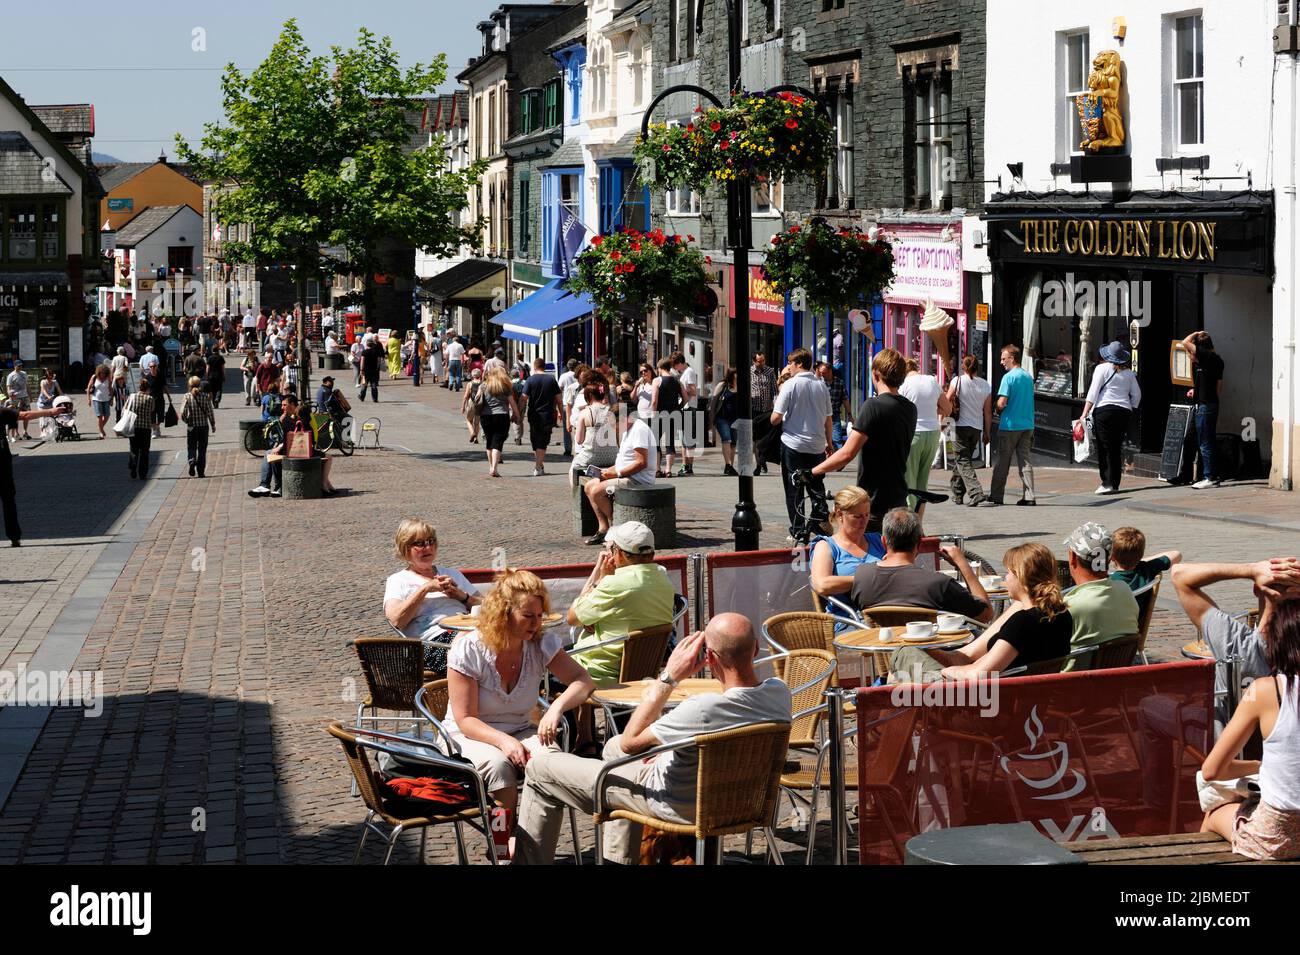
(745, 523)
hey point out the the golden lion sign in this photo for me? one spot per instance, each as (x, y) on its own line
(1099, 108)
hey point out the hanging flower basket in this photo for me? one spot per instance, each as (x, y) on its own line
(756, 137)
(640, 268)
(834, 267)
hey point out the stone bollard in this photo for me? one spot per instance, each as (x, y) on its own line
(654, 505)
(584, 518)
(303, 478)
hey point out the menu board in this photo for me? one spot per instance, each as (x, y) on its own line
(1171, 451)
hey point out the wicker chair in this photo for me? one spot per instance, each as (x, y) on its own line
(393, 668)
(381, 808)
(1116, 652)
(798, 630)
(737, 786)
(1146, 598)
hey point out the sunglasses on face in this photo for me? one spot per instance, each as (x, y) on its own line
(424, 543)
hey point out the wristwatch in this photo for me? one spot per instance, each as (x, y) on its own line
(666, 678)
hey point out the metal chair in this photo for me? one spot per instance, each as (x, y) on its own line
(1110, 654)
(1146, 598)
(737, 786)
(371, 426)
(393, 668)
(797, 630)
(827, 603)
(381, 808)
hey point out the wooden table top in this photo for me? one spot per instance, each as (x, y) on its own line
(868, 640)
(629, 694)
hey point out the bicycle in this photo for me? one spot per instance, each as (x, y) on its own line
(335, 434)
(257, 440)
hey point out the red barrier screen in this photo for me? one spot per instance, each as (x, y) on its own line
(1094, 755)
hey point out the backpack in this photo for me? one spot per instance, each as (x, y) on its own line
(273, 406)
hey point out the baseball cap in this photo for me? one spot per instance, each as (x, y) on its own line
(329, 378)
(632, 537)
(1091, 544)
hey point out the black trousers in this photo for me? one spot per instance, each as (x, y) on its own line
(792, 461)
(141, 438)
(8, 495)
(1109, 426)
(196, 447)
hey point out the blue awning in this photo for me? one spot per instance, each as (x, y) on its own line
(549, 307)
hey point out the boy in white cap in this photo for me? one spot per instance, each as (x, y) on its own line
(1101, 608)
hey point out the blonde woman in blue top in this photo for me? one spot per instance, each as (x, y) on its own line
(837, 557)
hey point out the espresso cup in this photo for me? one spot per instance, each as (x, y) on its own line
(918, 628)
(951, 621)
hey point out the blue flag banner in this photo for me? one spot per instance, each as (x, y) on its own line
(570, 233)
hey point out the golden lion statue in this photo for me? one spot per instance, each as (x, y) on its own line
(1099, 107)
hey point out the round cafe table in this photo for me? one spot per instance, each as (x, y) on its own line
(465, 621)
(629, 694)
(868, 641)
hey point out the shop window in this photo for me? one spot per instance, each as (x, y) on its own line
(21, 228)
(1064, 330)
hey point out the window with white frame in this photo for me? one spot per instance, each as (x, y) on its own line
(1076, 58)
(932, 95)
(767, 197)
(744, 20)
(681, 200)
(492, 123)
(837, 190)
(773, 15)
(1189, 82)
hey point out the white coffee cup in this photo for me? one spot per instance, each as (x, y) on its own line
(991, 583)
(948, 622)
(918, 628)
(886, 634)
(473, 611)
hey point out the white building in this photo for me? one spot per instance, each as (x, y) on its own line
(154, 262)
(446, 127)
(1184, 208)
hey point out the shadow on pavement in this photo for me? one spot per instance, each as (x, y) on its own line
(80, 494)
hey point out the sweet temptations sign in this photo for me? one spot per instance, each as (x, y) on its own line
(926, 268)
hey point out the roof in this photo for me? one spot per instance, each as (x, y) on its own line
(56, 143)
(113, 176)
(68, 119)
(147, 223)
(23, 171)
(459, 277)
(569, 154)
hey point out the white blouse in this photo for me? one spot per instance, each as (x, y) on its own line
(504, 712)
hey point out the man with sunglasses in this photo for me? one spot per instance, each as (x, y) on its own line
(665, 785)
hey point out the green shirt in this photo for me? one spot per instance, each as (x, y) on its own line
(1101, 610)
(1143, 574)
(633, 597)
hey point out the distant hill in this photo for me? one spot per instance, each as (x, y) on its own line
(101, 158)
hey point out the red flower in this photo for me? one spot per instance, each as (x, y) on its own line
(708, 260)
(776, 240)
(667, 148)
(636, 246)
(785, 95)
(715, 125)
(597, 240)
(690, 238)
(789, 124)
(724, 144)
(616, 256)
(630, 267)
(690, 127)
(794, 228)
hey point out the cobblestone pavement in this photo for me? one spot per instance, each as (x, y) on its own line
(220, 623)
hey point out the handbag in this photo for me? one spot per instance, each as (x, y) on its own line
(297, 443)
(956, 401)
(169, 417)
(126, 423)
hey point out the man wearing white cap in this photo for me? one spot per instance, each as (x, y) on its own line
(1102, 608)
(626, 591)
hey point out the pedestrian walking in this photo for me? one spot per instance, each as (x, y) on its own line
(16, 389)
(595, 433)
(394, 350)
(99, 395)
(371, 358)
(666, 402)
(972, 401)
(249, 369)
(142, 404)
(435, 355)
(932, 406)
(803, 410)
(1113, 397)
(722, 411)
(469, 406)
(762, 393)
(1015, 430)
(50, 390)
(497, 408)
(689, 380)
(841, 411)
(569, 387)
(200, 419)
(216, 382)
(120, 393)
(455, 363)
(543, 406)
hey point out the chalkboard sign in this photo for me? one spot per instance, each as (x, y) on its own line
(1171, 454)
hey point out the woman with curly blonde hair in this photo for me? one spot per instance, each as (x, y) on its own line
(493, 674)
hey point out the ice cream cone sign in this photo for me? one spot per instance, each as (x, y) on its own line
(860, 323)
(935, 322)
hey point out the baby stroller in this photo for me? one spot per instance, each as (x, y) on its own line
(65, 422)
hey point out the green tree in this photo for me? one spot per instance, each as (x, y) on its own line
(315, 154)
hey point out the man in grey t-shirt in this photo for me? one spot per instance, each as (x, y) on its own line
(665, 785)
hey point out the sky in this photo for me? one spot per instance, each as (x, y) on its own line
(150, 75)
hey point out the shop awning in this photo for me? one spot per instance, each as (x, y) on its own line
(471, 280)
(549, 307)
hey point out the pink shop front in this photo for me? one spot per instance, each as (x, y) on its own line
(928, 267)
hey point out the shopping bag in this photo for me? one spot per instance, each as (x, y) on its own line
(126, 423)
(1082, 445)
(297, 443)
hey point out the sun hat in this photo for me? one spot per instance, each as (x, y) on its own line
(1091, 543)
(1115, 353)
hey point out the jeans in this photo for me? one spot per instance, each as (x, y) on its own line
(839, 433)
(271, 472)
(196, 448)
(250, 386)
(568, 442)
(141, 438)
(1019, 443)
(964, 483)
(373, 385)
(1109, 426)
(792, 461)
(724, 430)
(1207, 424)
(453, 373)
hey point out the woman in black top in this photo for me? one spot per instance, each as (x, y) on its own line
(1035, 627)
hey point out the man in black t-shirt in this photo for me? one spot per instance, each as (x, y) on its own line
(542, 407)
(9, 418)
(882, 433)
(1207, 383)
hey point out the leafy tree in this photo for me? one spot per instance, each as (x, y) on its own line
(315, 155)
